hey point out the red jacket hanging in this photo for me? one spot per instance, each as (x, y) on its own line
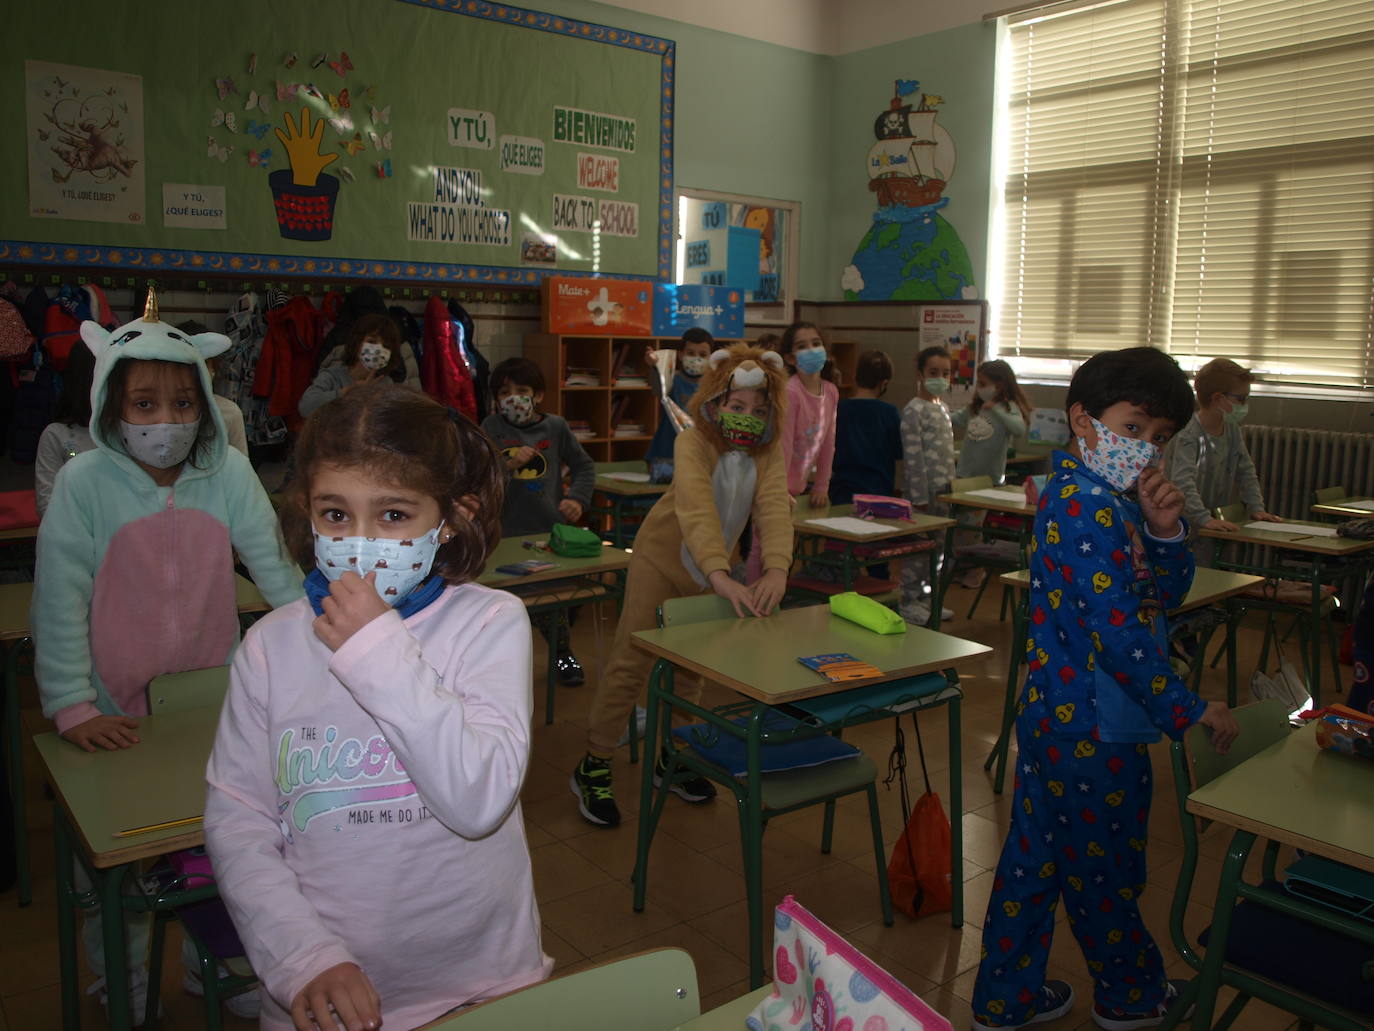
(289, 354)
(443, 370)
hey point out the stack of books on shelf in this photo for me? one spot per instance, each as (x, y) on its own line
(582, 377)
(631, 379)
(629, 428)
(581, 429)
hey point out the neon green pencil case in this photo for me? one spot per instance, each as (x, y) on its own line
(867, 613)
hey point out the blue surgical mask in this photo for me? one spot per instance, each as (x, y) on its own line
(936, 385)
(812, 360)
(400, 565)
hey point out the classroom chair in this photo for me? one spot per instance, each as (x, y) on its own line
(780, 792)
(651, 991)
(1260, 917)
(1329, 495)
(1293, 598)
(204, 922)
(991, 553)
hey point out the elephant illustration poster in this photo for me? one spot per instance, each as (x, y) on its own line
(84, 136)
(910, 251)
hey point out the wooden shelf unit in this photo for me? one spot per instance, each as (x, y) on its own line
(555, 353)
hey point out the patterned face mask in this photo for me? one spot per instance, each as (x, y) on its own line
(400, 565)
(518, 409)
(740, 429)
(161, 444)
(374, 356)
(693, 364)
(1118, 460)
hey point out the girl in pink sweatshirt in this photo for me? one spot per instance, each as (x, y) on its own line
(363, 814)
(812, 397)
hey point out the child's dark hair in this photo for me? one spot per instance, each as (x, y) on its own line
(926, 354)
(789, 336)
(1000, 373)
(769, 341)
(874, 368)
(697, 335)
(74, 403)
(519, 372)
(384, 327)
(403, 437)
(112, 410)
(1143, 376)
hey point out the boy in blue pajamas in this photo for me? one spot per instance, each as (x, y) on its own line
(1109, 556)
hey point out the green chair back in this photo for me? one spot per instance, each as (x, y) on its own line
(1232, 513)
(653, 991)
(194, 689)
(695, 608)
(1328, 495)
(962, 484)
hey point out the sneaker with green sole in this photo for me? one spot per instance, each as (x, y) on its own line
(591, 783)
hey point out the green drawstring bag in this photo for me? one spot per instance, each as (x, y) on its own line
(574, 541)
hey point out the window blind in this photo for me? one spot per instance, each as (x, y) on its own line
(1197, 175)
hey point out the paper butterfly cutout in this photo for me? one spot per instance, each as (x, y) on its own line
(214, 150)
(341, 101)
(257, 129)
(225, 86)
(252, 64)
(343, 64)
(310, 90)
(289, 61)
(381, 142)
(285, 92)
(225, 118)
(257, 100)
(318, 60)
(368, 93)
(354, 145)
(343, 125)
(260, 158)
(381, 115)
(347, 174)
(384, 169)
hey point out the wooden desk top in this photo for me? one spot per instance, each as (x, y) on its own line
(159, 779)
(1345, 508)
(608, 484)
(1015, 503)
(16, 598)
(1291, 536)
(1299, 794)
(19, 533)
(1209, 585)
(758, 657)
(919, 523)
(512, 549)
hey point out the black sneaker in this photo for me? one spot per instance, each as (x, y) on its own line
(569, 670)
(687, 787)
(591, 783)
(1056, 999)
(1117, 1019)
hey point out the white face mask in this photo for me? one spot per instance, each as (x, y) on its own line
(693, 364)
(161, 444)
(400, 565)
(987, 394)
(374, 356)
(518, 409)
(936, 385)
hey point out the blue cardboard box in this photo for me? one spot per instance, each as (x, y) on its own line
(717, 309)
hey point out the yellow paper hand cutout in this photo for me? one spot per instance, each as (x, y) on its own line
(303, 148)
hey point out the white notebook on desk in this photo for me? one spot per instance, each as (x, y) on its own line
(1003, 494)
(848, 524)
(628, 477)
(1296, 529)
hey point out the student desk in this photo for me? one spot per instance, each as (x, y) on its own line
(1296, 794)
(758, 659)
(1210, 586)
(1319, 551)
(624, 497)
(1347, 508)
(14, 635)
(98, 794)
(812, 539)
(546, 594)
(1012, 501)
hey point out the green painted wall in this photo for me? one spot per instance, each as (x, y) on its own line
(957, 64)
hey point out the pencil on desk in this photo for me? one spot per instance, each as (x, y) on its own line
(184, 821)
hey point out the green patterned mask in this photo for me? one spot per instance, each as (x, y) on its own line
(740, 429)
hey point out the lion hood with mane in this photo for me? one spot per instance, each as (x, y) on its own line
(740, 367)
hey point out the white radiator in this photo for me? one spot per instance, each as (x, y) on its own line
(1291, 464)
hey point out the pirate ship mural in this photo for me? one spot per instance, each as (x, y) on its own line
(910, 251)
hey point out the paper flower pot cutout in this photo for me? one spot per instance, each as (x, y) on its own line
(304, 212)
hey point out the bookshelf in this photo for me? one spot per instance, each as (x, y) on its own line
(609, 387)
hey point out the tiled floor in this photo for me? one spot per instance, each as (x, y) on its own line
(695, 887)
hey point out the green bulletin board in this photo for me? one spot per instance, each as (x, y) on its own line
(390, 139)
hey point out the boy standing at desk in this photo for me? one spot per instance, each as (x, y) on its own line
(1105, 564)
(535, 446)
(1208, 459)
